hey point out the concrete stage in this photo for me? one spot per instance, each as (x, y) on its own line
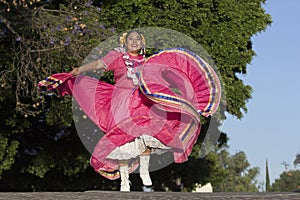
(113, 195)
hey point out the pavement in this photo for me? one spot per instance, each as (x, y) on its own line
(113, 195)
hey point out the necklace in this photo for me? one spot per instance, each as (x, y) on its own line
(130, 68)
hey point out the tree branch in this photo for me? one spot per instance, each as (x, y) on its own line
(8, 25)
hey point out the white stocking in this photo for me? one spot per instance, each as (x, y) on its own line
(124, 178)
(144, 170)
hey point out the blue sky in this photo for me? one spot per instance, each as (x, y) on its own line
(270, 128)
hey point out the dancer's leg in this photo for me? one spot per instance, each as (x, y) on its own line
(144, 167)
(124, 173)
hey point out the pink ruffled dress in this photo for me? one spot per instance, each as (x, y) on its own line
(161, 111)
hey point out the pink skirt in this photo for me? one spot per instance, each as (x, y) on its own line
(176, 87)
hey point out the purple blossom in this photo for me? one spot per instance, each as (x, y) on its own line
(89, 3)
(85, 12)
(95, 57)
(3, 33)
(102, 27)
(18, 39)
(68, 18)
(58, 28)
(99, 9)
(87, 30)
(67, 41)
(74, 32)
(30, 152)
(113, 30)
(52, 40)
(76, 27)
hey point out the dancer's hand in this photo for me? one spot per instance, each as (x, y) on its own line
(76, 71)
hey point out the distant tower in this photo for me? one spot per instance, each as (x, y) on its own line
(268, 187)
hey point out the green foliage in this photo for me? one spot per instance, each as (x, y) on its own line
(40, 165)
(289, 181)
(64, 160)
(226, 173)
(268, 186)
(60, 112)
(48, 38)
(11, 125)
(297, 160)
(239, 177)
(8, 150)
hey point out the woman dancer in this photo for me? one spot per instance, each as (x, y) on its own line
(154, 106)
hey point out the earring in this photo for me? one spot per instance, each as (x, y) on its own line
(143, 50)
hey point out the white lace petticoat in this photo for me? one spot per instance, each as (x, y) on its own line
(137, 147)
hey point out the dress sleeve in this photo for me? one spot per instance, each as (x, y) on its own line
(111, 60)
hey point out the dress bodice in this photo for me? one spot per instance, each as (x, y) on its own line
(115, 61)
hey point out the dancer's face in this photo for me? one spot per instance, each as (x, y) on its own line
(134, 43)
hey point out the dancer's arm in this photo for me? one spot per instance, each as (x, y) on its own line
(97, 64)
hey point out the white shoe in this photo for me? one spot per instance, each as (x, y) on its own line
(147, 189)
(144, 170)
(125, 187)
(125, 183)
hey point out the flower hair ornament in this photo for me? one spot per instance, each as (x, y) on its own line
(123, 40)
